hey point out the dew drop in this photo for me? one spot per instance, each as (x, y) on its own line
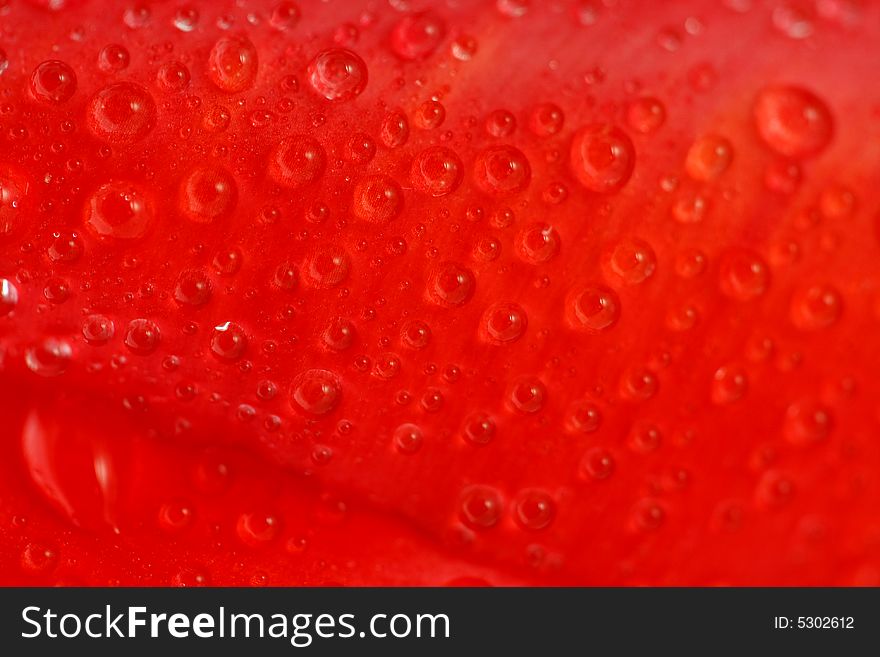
(502, 170)
(631, 261)
(816, 307)
(208, 193)
(228, 341)
(316, 392)
(645, 115)
(451, 285)
(119, 210)
(339, 334)
(193, 288)
(417, 36)
(807, 422)
(479, 429)
(528, 395)
(377, 198)
(232, 64)
(538, 243)
(481, 507)
(408, 438)
(327, 267)
(98, 330)
(744, 275)
(337, 74)
(257, 529)
(49, 358)
(793, 121)
(285, 16)
(113, 58)
(602, 158)
(504, 323)
(584, 417)
(395, 129)
(437, 171)
(297, 161)
(121, 113)
(415, 334)
(546, 120)
(53, 82)
(708, 158)
(729, 384)
(597, 464)
(14, 189)
(142, 336)
(535, 510)
(500, 123)
(8, 296)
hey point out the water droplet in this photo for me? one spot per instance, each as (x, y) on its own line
(546, 120)
(232, 64)
(584, 417)
(119, 210)
(501, 170)
(708, 158)
(415, 334)
(816, 307)
(528, 395)
(173, 77)
(408, 438)
(337, 74)
(228, 341)
(257, 529)
(479, 429)
(648, 515)
(193, 288)
(639, 384)
(744, 275)
(142, 336)
(690, 207)
(53, 82)
(175, 517)
(327, 267)
(377, 198)
(538, 243)
(598, 464)
(98, 330)
(186, 19)
(500, 123)
(66, 247)
(729, 384)
(451, 285)
(481, 507)
(512, 8)
(208, 193)
(360, 149)
(297, 161)
(8, 296)
(464, 48)
(49, 358)
(645, 115)
(807, 422)
(437, 171)
(417, 36)
(602, 157)
(316, 392)
(504, 322)
(121, 113)
(395, 129)
(227, 262)
(113, 58)
(285, 16)
(631, 261)
(535, 510)
(793, 121)
(340, 334)
(14, 189)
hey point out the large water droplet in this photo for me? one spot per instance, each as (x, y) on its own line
(417, 36)
(377, 198)
(14, 188)
(595, 308)
(451, 285)
(142, 336)
(793, 121)
(501, 170)
(316, 392)
(120, 210)
(602, 157)
(229, 341)
(504, 322)
(208, 193)
(53, 82)
(50, 357)
(121, 113)
(297, 161)
(480, 507)
(232, 64)
(337, 74)
(437, 171)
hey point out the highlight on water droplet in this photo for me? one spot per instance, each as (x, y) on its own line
(792, 121)
(232, 63)
(602, 157)
(337, 74)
